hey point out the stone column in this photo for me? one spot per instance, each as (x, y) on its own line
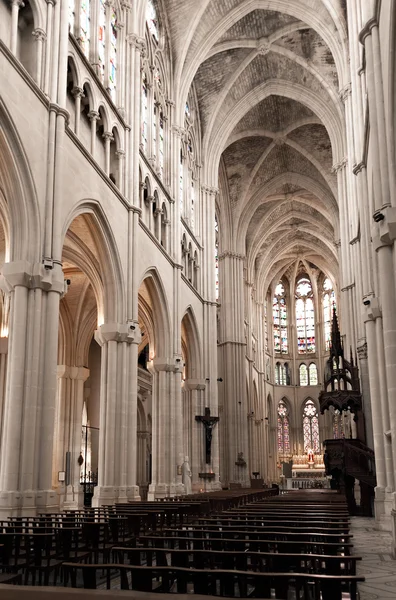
(3, 379)
(108, 138)
(120, 154)
(29, 405)
(78, 93)
(118, 414)
(167, 438)
(15, 6)
(40, 36)
(93, 116)
(68, 425)
(233, 348)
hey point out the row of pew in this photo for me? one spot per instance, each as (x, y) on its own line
(297, 545)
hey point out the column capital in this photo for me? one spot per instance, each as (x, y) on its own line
(340, 165)
(194, 384)
(210, 189)
(345, 92)
(170, 365)
(47, 277)
(229, 254)
(137, 42)
(66, 372)
(77, 92)
(108, 136)
(93, 115)
(386, 219)
(118, 332)
(120, 154)
(39, 34)
(18, 3)
(358, 167)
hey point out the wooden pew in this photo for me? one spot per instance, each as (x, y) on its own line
(243, 561)
(242, 584)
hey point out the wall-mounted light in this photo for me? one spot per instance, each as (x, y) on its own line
(378, 216)
(366, 302)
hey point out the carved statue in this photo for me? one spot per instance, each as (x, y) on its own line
(186, 476)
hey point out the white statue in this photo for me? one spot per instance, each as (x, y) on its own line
(186, 476)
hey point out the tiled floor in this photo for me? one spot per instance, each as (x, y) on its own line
(377, 566)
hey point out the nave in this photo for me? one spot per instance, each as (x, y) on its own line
(246, 543)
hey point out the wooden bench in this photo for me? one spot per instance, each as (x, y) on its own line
(243, 561)
(241, 584)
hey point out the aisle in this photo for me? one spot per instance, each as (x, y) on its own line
(377, 565)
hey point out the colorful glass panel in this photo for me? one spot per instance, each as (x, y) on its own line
(303, 375)
(152, 20)
(311, 427)
(283, 429)
(313, 374)
(144, 112)
(102, 38)
(85, 29)
(113, 56)
(279, 309)
(266, 325)
(305, 317)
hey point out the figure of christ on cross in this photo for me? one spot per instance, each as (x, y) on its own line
(209, 423)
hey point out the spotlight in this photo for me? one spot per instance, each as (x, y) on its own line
(366, 302)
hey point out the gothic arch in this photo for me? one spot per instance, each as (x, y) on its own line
(194, 344)
(18, 198)
(112, 299)
(160, 312)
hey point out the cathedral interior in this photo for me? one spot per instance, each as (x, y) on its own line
(197, 265)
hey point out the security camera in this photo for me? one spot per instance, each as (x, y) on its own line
(178, 360)
(366, 302)
(132, 327)
(378, 216)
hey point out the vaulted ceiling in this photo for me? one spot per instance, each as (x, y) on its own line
(267, 77)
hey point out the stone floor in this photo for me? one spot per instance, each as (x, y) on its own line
(377, 565)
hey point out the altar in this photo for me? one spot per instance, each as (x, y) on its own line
(308, 471)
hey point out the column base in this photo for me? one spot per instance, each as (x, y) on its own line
(383, 504)
(164, 490)
(110, 495)
(28, 503)
(73, 498)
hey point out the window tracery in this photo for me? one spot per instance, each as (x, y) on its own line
(102, 39)
(283, 429)
(311, 427)
(313, 374)
(305, 316)
(303, 375)
(152, 20)
(85, 26)
(279, 311)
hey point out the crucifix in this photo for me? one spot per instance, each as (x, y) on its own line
(209, 423)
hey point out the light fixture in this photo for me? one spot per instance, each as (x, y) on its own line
(378, 216)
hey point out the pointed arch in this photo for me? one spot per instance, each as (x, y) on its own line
(19, 208)
(112, 301)
(194, 347)
(159, 312)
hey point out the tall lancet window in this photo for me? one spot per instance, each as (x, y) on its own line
(328, 304)
(305, 316)
(161, 144)
(144, 109)
(311, 427)
(192, 208)
(113, 56)
(72, 15)
(181, 184)
(217, 257)
(85, 26)
(283, 429)
(279, 312)
(102, 38)
(152, 20)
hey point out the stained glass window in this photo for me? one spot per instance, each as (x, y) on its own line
(217, 257)
(152, 20)
(281, 374)
(266, 325)
(72, 8)
(102, 38)
(187, 110)
(305, 317)
(155, 129)
(144, 112)
(311, 427)
(279, 311)
(85, 30)
(113, 56)
(328, 304)
(283, 429)
(161, 144)
(313, 374)
(192, 206)
(181, 184)
(303, 374)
